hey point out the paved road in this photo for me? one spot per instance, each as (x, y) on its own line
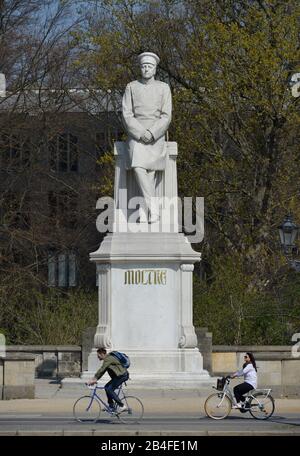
(64, 424)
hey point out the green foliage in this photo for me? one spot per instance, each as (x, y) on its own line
(52, 317)
(239, 314)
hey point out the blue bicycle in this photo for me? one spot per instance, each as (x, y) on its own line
(88, 408)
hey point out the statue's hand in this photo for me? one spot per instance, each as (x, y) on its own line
(147, 138)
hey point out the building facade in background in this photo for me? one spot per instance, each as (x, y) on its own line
(52, 145)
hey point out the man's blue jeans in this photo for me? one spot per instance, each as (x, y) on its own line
(111, 386)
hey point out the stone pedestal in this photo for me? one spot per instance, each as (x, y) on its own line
(145, 292)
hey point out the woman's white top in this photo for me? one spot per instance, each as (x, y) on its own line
(250, 375)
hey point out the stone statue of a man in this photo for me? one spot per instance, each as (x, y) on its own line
(147, 109)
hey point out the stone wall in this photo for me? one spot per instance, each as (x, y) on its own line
(51, 361)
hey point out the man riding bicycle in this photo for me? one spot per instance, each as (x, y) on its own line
(118, 374)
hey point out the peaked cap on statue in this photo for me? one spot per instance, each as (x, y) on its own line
(148, 57)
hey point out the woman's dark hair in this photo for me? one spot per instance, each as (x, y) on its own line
(101, 350)
(252, 360)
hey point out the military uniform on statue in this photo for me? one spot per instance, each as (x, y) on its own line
(147, 110)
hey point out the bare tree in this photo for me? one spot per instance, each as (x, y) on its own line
(48, 142)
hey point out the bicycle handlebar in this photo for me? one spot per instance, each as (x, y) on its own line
(95, 385)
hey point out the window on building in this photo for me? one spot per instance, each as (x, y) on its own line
(63, 153)
(63, 207)
(15, 210)
(62, 270)
(101, 142)
(15, 151)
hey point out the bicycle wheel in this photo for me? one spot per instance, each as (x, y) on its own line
(86, 410)
(217, 407)
(262, 406)
(134, 412)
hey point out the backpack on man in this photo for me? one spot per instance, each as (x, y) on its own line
(122, 357)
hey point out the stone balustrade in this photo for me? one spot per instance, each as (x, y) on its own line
(51, 361)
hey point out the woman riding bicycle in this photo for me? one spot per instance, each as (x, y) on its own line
(249, 372)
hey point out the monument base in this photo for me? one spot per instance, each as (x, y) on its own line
(146, 309)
